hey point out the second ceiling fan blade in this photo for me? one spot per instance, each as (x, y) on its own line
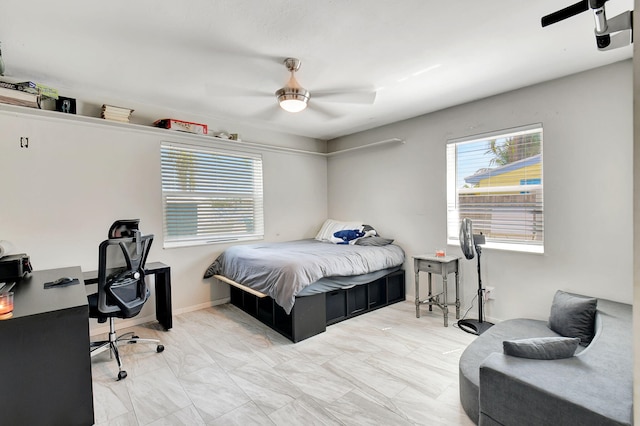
(350, 96)
(270, 113)
(565, 13)
(234, 91)
(325, 112)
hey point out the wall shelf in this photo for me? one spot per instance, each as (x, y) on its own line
(56, 116)
(164, 133)
(369, 145)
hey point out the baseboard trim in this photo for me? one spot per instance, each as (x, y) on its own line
(201, 306)
(131, 322)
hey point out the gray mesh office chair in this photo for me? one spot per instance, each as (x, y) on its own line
(122, 291)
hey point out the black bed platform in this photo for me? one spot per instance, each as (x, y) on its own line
(312, 314)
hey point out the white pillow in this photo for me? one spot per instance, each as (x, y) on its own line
(331, 226)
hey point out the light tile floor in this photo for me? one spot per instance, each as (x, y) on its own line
(223, 367)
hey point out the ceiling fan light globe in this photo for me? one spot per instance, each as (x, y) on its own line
(292, 99)
(293, 105)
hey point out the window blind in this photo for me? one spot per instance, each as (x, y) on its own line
(210, 196)
(496, 181)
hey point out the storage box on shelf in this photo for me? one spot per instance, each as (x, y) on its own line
(182, 126)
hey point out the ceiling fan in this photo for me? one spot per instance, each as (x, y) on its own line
(295, 98)
(610, 33)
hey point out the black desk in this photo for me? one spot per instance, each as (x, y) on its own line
(162, 280)
(45, 364)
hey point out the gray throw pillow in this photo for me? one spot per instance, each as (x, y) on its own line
(373, 241)
(573, 315)
(542, 347)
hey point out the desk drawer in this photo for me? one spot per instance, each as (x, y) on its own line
(430, 266)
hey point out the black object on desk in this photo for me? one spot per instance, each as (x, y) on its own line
(14, 267)
(45, 364)
(162, 274)
(61, 282)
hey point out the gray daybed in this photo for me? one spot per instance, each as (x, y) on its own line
(593, 387)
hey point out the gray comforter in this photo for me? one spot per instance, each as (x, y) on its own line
(281, 270)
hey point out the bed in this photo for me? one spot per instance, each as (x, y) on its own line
(300, 287)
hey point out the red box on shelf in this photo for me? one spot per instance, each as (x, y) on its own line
(182, 126)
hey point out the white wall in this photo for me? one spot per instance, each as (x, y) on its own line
(636, 223)
(60, 196)
(588, 169)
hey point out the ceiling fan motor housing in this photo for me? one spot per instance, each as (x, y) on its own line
(293, 97)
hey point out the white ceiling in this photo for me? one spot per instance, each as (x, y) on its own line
(223, 59)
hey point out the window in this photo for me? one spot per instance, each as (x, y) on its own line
(210, 196)
(496, 181)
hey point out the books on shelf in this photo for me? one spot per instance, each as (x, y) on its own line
(182, 126)
(18, 97)
(37, 89)
(115, 113)
(8, 85)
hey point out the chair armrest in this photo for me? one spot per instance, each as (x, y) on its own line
(91, 277)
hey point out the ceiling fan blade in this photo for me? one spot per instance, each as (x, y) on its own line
(226, 51)
(233, 91)
(349, 96)
(565, 13)
(270, 113)
(323, 111)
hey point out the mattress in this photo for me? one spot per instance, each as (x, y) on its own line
(329, 284)
(283, 270)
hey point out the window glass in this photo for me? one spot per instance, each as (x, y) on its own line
(210, 196)
(496, 181)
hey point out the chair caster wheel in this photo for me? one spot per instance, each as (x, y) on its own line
(160, 348)
(122, 375)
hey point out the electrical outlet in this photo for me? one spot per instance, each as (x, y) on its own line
(489, 293)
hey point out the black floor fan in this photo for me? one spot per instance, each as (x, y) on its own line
(468, 242)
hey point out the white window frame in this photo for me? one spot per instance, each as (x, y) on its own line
(221, 177)
(453, 207)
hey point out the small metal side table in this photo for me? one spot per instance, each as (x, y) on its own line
(444, 266)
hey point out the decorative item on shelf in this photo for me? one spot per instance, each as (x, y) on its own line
(182, 126)
(6, 305)
(66, 105)
(234, 136)
(115, 113)
(440, 253)
(1, 61)
(6, 248)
